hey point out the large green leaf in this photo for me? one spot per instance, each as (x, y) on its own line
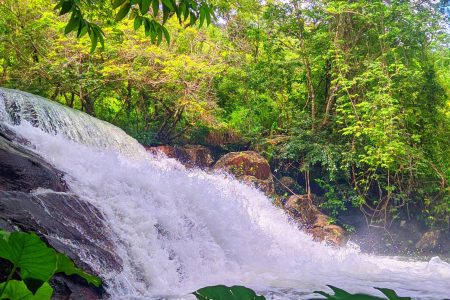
(37, 262)
(44, 292)
(340, 294)
(392, 295)
(66, 266)
(17, 290)
(221, 292)
(28, 253)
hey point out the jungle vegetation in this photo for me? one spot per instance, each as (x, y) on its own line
(349, 97)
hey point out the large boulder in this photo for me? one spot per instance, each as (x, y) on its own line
(34, 197)
(249, 167)
(190, 155)
(307, 215)
(433, 241)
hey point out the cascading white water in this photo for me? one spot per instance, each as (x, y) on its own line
(179, 230)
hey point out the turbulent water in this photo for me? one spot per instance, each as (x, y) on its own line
(178, 230)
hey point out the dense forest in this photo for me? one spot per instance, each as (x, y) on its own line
(351, 98)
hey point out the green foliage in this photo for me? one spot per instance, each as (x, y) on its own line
(36, 264)
(340, 294)
(65, 265)
(18, 290)
(139, 10)
(221, 292)
(29, 254)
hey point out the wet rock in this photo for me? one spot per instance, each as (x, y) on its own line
(189, 155)
(266, 186)
(74, 288)
(199, 156)
(249, 167)
(34, 197)
(432, 241)
(21, 170)
(65, 222)
(304, 212)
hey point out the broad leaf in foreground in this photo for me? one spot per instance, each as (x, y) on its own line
(28, 253)
(17, 290)
(66, 266)
(221, 292)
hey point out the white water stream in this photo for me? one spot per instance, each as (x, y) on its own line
(178, 230)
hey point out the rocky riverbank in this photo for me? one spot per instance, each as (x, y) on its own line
(403, 238)
(253, 169)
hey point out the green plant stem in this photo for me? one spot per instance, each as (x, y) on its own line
(7, 280)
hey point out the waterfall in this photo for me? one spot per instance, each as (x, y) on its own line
(179, 230)
(56, 119)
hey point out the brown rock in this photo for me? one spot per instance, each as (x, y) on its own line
(199, 156)
(266, 186)
(300, 208)
(169, 151)
(431, 241)
(304, 212)
(190, 155)
(245, 163)
(249, 167)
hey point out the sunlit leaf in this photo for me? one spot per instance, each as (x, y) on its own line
(16, 290)
(27, 252)
(65, 265)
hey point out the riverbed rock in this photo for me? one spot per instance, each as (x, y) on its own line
(34, 197)
(306, 214)
(250, 167)
(190, 155)
(199, 156)
(21, 170)
(432, 241)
